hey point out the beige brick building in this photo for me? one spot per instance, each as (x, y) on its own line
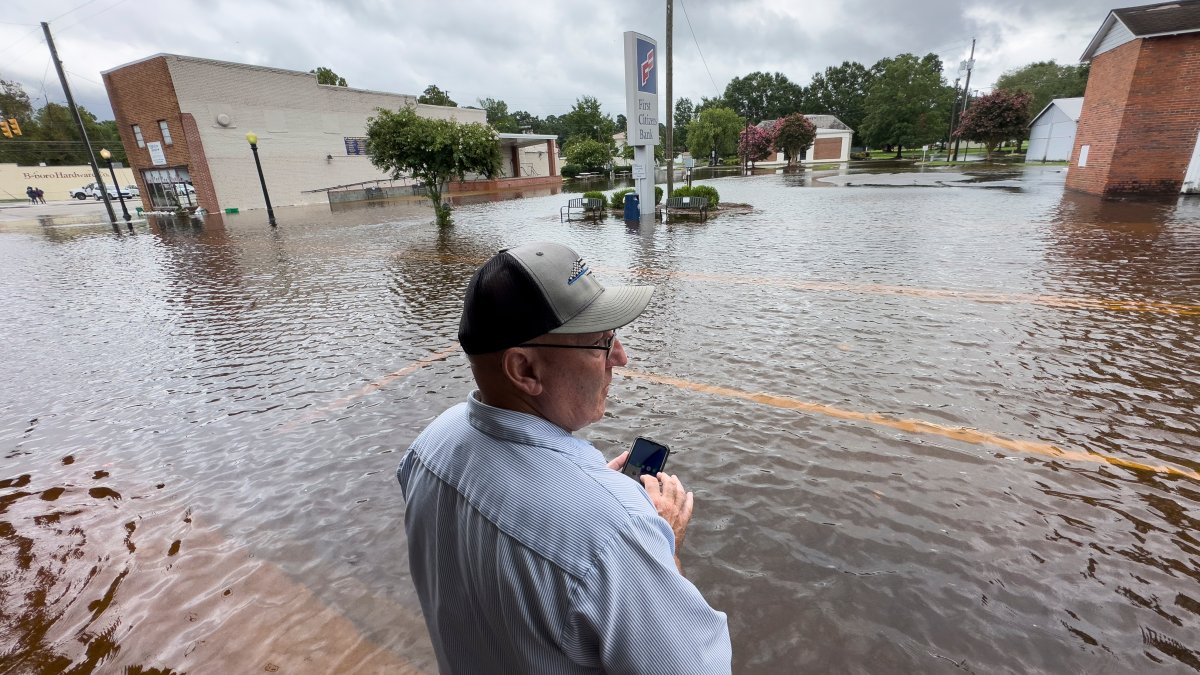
(183, 122)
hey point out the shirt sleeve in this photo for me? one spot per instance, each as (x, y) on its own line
(641, 615)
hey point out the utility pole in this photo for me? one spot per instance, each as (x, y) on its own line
(62, 77)
(670, 103)
(953, 114)
(966, 95)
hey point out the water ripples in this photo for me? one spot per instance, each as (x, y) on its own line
(866, 388)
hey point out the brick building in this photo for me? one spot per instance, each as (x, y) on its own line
(1139, 130)
(183, 122)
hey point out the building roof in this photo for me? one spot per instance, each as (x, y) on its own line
(819, 121)
(1145, 21)
(1071, 107)
(524, 140)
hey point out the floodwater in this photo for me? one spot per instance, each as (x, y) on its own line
(938, 428)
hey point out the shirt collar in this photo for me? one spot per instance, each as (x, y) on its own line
(526, 429)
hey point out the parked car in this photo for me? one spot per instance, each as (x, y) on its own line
(89, 190)
(112, 193)
(133, 190)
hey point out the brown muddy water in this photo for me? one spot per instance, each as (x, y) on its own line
(940, 428)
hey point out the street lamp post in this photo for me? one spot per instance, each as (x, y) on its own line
(107, 157)
(253, 139)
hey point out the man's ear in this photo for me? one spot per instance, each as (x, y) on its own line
(523, 370)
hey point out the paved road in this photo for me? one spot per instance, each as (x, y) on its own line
(62, 209)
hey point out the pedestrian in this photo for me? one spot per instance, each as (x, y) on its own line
(41, 196)
(528, 551)
(31, 194)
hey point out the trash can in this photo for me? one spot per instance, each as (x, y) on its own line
(632, 212)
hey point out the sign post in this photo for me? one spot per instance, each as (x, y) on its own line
(641, 114)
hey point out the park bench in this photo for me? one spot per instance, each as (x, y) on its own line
(688, 204)
(588, 207)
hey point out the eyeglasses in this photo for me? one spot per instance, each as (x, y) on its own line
(606, 346)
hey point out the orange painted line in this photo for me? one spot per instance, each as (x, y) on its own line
(914, 426)
(1066, 302)
(372, 387)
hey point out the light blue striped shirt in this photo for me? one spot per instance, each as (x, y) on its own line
(530, 555)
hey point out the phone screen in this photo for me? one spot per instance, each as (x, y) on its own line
(646, 457)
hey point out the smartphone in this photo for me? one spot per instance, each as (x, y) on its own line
(646, 457)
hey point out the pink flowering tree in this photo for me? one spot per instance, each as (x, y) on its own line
(793, 135)
(997, 117)
(754, 144)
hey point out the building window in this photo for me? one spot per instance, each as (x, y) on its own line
(137, 134)
(162, 124)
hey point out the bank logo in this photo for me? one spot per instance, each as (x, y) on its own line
(647, 82)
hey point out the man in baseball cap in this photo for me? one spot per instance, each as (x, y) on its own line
(528, 551)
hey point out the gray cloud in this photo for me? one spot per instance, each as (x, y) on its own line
(538, 55)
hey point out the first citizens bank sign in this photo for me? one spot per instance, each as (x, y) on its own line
(641, 89)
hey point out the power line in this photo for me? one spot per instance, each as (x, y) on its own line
(697, 43)
(75, 9)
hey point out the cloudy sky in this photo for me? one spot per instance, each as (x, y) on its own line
(537, 55)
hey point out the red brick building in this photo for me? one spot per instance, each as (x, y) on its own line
(1139, 132)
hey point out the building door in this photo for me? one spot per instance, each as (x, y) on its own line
(170, 188)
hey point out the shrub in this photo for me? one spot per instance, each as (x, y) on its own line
(617, 200)
(570, 170)
(595, 194)
(709, 192)
(706, 191)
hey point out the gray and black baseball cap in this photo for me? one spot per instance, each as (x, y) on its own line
(526, 291)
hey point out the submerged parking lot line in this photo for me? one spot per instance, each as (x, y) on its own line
(372, 387)
(1062, 302)
(914, 426)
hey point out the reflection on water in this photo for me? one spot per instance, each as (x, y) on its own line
(930, 430)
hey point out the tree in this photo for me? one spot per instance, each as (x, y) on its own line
(14, 103)
(762, 96)
(497, 115)
(432, 151)
(588, 153)
(685, 111)
(793, 134)
(995, 118)
(841, 91)
(908, 103)
(327, 76)
(435, 96)
(754, 144)
(1045, 81)
(586, 120)
(528, 120)
(714, 128)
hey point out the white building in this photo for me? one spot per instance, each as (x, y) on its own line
(185, 119)
(1052, 131)
(832, 143)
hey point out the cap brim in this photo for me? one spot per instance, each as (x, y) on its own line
(615, 307)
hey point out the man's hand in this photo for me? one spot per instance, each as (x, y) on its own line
(618, 461)
(672, 502)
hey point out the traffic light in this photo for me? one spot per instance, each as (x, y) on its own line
(4, 129)
(14, 127)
